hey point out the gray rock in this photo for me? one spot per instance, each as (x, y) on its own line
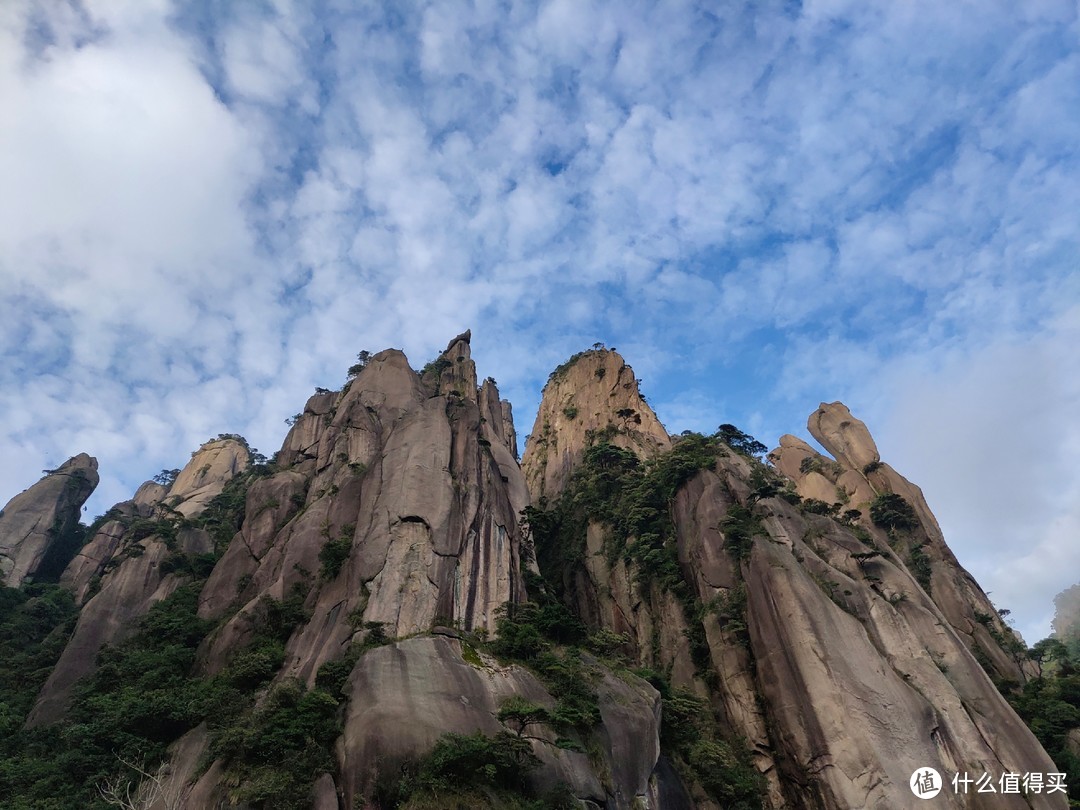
(35, 519)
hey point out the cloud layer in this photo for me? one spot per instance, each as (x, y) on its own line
(205, 213)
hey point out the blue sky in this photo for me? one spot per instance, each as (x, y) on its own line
(207, 209)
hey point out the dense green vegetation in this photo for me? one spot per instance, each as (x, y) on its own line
(471, 772)
(691, 736)
(613, 487)
(547, 639)
(146, 692)
(35, 623)
(632, 501)
(1050, 705)
(138, 701)
(891, 511)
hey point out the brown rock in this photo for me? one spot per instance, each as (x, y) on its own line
(205, 475)
(843, 435)
(860, 474)
(595, 391)
(35, 519)
(91, 560)
(130, 571)
(404, 696)
(423, 489)
(127, 593)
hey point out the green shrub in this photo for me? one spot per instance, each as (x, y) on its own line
(333, 555)
(274, 753)
(815, 507)
(519, 714)
(740, 526)
(499, 761)
(742, 443)
(527, 634)
(726, 773)
(692, 736)
(891, 511)
(920, 565)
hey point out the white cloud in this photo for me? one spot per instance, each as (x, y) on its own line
(201, 218)
(990, 433)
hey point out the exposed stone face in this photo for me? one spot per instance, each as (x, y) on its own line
(127, 593)
(91, 560)
(850, 674)
(843, 435)
(420, 486)
(852, 481)
(202, 478)
(862, 680)
(404, 696)
(594, 391)
(35, 518)
(815, 642)
(128, 572)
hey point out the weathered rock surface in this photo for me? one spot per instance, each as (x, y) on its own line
(419, 487)
(396, 501)
(852, 481)
(415, 476)
(862, 678)
(595, 391)
(404, 696)
(119, 575)
(841, 671)
(843, 435)
(35, 519)
(205, 476)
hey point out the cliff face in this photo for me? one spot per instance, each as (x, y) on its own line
(421, 491)
(593, 392)
(857, 479)
(802, 636)
(126, 567)
(34, 520)
(844, 657)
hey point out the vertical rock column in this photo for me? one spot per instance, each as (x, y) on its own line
(35, 519)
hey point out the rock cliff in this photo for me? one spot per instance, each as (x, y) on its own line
(131, 563)
(843, 646)
(856, 479)
(593, 393)
(42, 516)
(394, 607)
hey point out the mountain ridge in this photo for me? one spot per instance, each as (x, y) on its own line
(806, 621)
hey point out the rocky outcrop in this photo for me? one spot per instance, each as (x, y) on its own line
(822, 649)
(843, 435)
(844, 651)
(412, 479)
(211, 467)
(122, 572)
(862, 680)
(404, 696)
(36, 519)
(853, 480)
(414, 488)
(593, 393)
